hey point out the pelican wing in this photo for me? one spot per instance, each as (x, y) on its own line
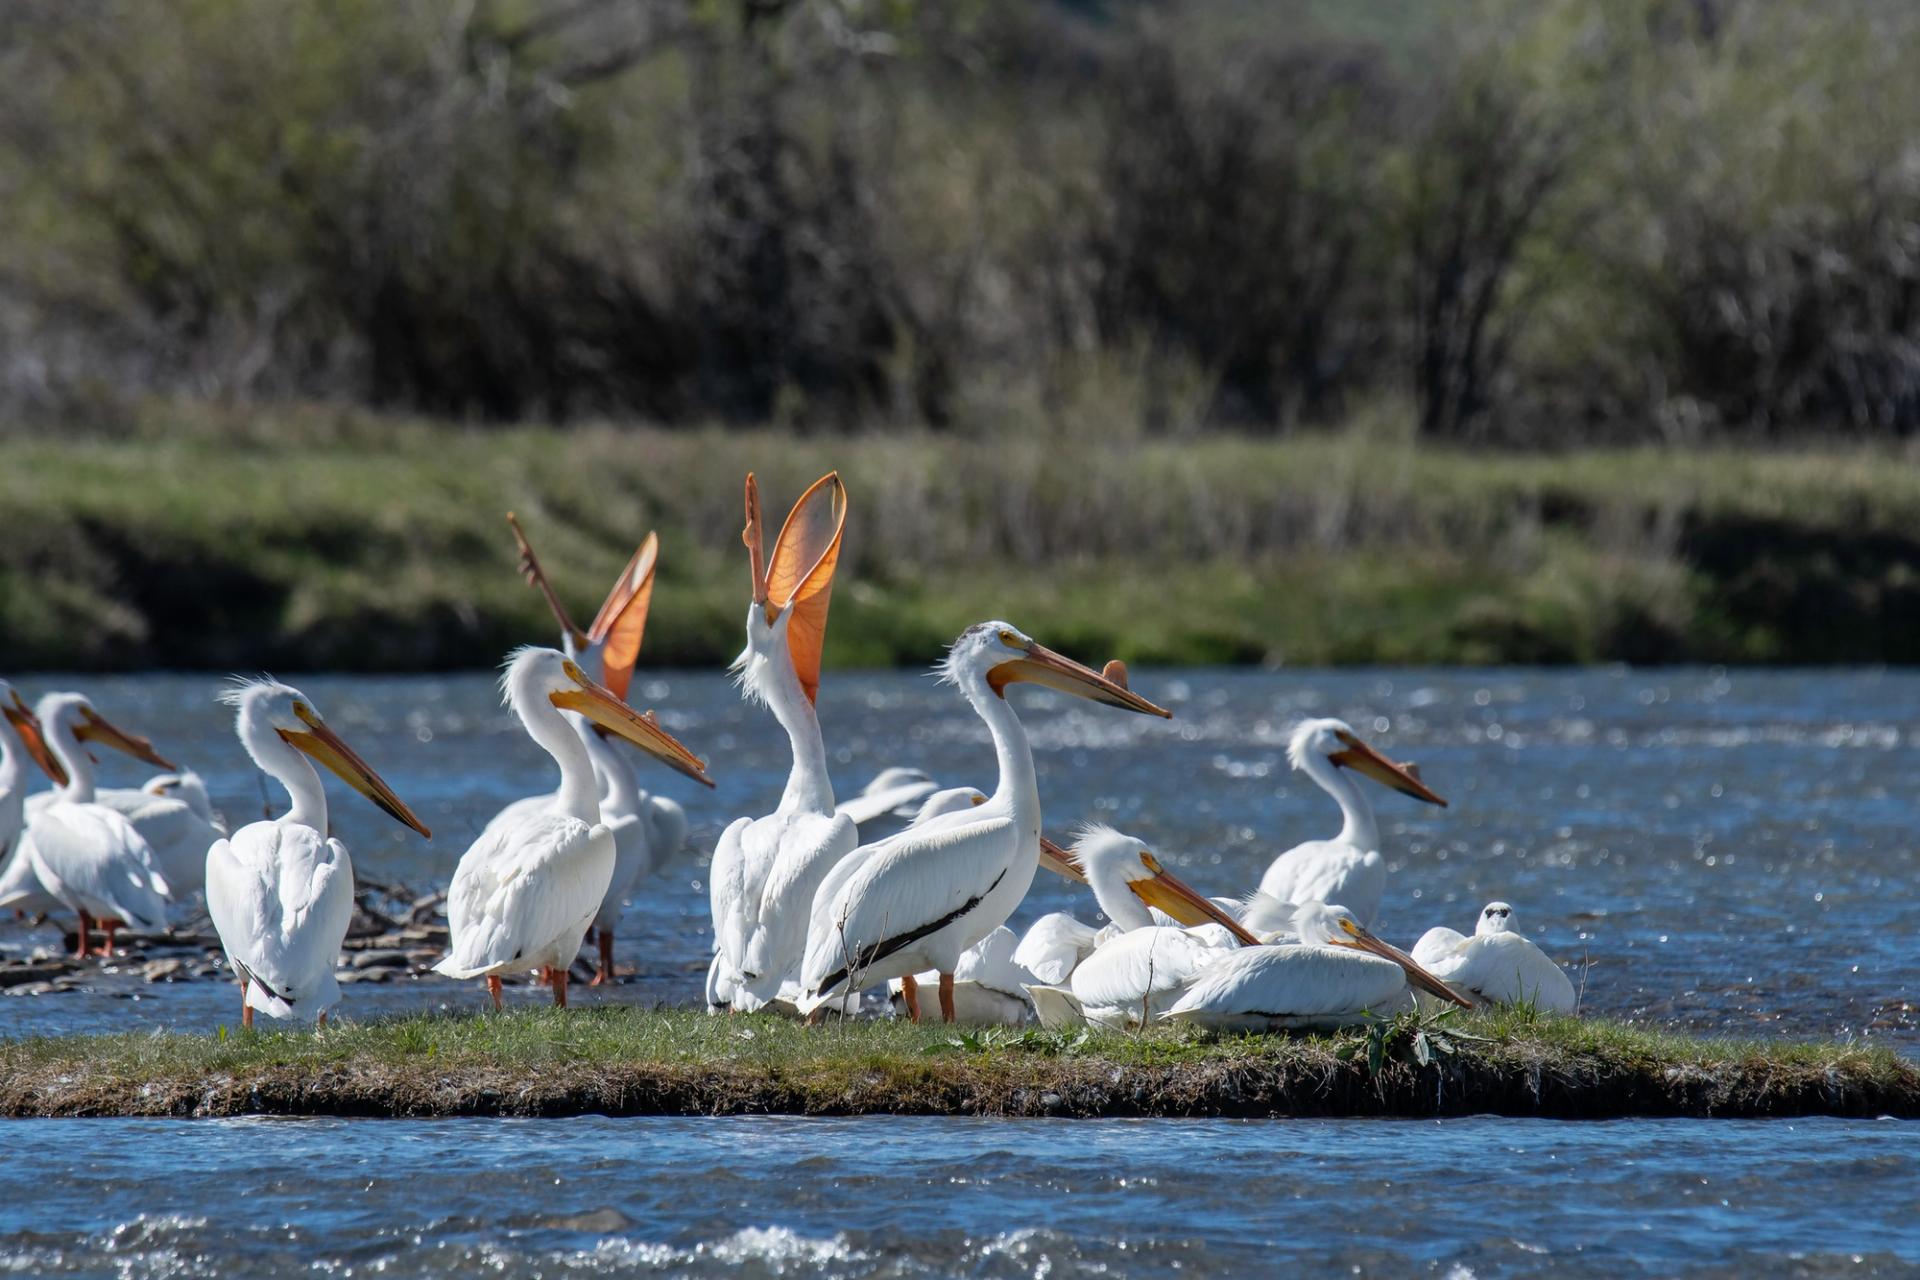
(632, 859)
(868, 805)
(1139, 971)
(1507, 968)
(93, 860)
(178, 835)
(726, 897)
(517, 893)
(1288, 981)
(281, 898)
(810, 850)
(1054, 944)
(1438, 945)
(1329, 871)
(20, 885)
(923, 880)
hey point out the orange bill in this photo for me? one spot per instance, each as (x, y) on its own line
(598, 704)
(94, 727)
(1417, 974)
(1043, 666)
(622, 620)
(800, 574)
(1060, 862)
(1363, 759)
(325, 746)
(27, 725)
(537, 577)
(1175, 897)
(755, 538)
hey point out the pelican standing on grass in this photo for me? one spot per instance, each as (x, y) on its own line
(1349, 867)
(280, 891)
(526, 890)
(1338, 973)
(931, 892)
(648, 829)
(1497, 964)
(88, 856)
(765, 870)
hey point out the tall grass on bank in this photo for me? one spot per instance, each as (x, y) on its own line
(329, 539)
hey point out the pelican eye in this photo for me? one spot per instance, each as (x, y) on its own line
(1012, 640)
(572, 670)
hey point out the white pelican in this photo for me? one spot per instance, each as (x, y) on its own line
(929, 893)
(88, 856)
(173, 814)
(1336, 974)
(1347, 868)
(20, 739)
(648, 829)
(1497, 964)
(526, 890)
(989, 985)
(280, 891)
(765, 870)
(895, 792)
(1138, 967)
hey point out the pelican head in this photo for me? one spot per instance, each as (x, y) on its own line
(73, 712)
(27, 725)
(951, 800)
(266, 707)
(792, 588)
(1113, 858)
(999, 654)
(1495, 917)
(1330, 925)
(533, 673)
(1335, 742)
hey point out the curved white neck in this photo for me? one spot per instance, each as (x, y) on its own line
(1358, 828)
(578, 796)
(1109, 884)
(809, 789)
(79, 765)
(1018, 791)
(13, 791)
(613, 773)
(281, 761)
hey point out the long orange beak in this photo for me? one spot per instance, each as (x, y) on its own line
(1364, 940)
(1179, 900)
(94, 727)
(1043, 666)
(1363, 759)
(798, 578)
(27, 725)
(598, 704)
(325, 746)
(1060, 862)
(537, 577)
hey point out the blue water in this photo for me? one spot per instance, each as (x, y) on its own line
(913, 1197)
(1724, 852)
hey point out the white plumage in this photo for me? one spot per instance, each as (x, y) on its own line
(1497, 964)
(173, 814)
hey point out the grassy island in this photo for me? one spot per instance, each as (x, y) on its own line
(626, 1061)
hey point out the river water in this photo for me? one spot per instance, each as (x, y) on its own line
(1724, 852)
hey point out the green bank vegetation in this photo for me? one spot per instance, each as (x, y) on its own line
(632, 1061)
(325, 538)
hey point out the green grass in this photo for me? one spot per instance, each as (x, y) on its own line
(631, 1061)
(304, 539)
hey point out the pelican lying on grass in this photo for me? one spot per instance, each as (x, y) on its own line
(648, 829)
(89, 857)
(766, 870)
(280, 891)
(926, 895)
(1338, 973)
(1497, 964)
(526, 889)
(1347, 868)
(1138, 966)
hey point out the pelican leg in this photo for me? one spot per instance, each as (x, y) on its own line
(246, 1010)
(910, 993)
(493, 989)
(604, 974)
(80, 940)
(946, 997)
(323, 1018)
(107, 927)
(559, 978)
